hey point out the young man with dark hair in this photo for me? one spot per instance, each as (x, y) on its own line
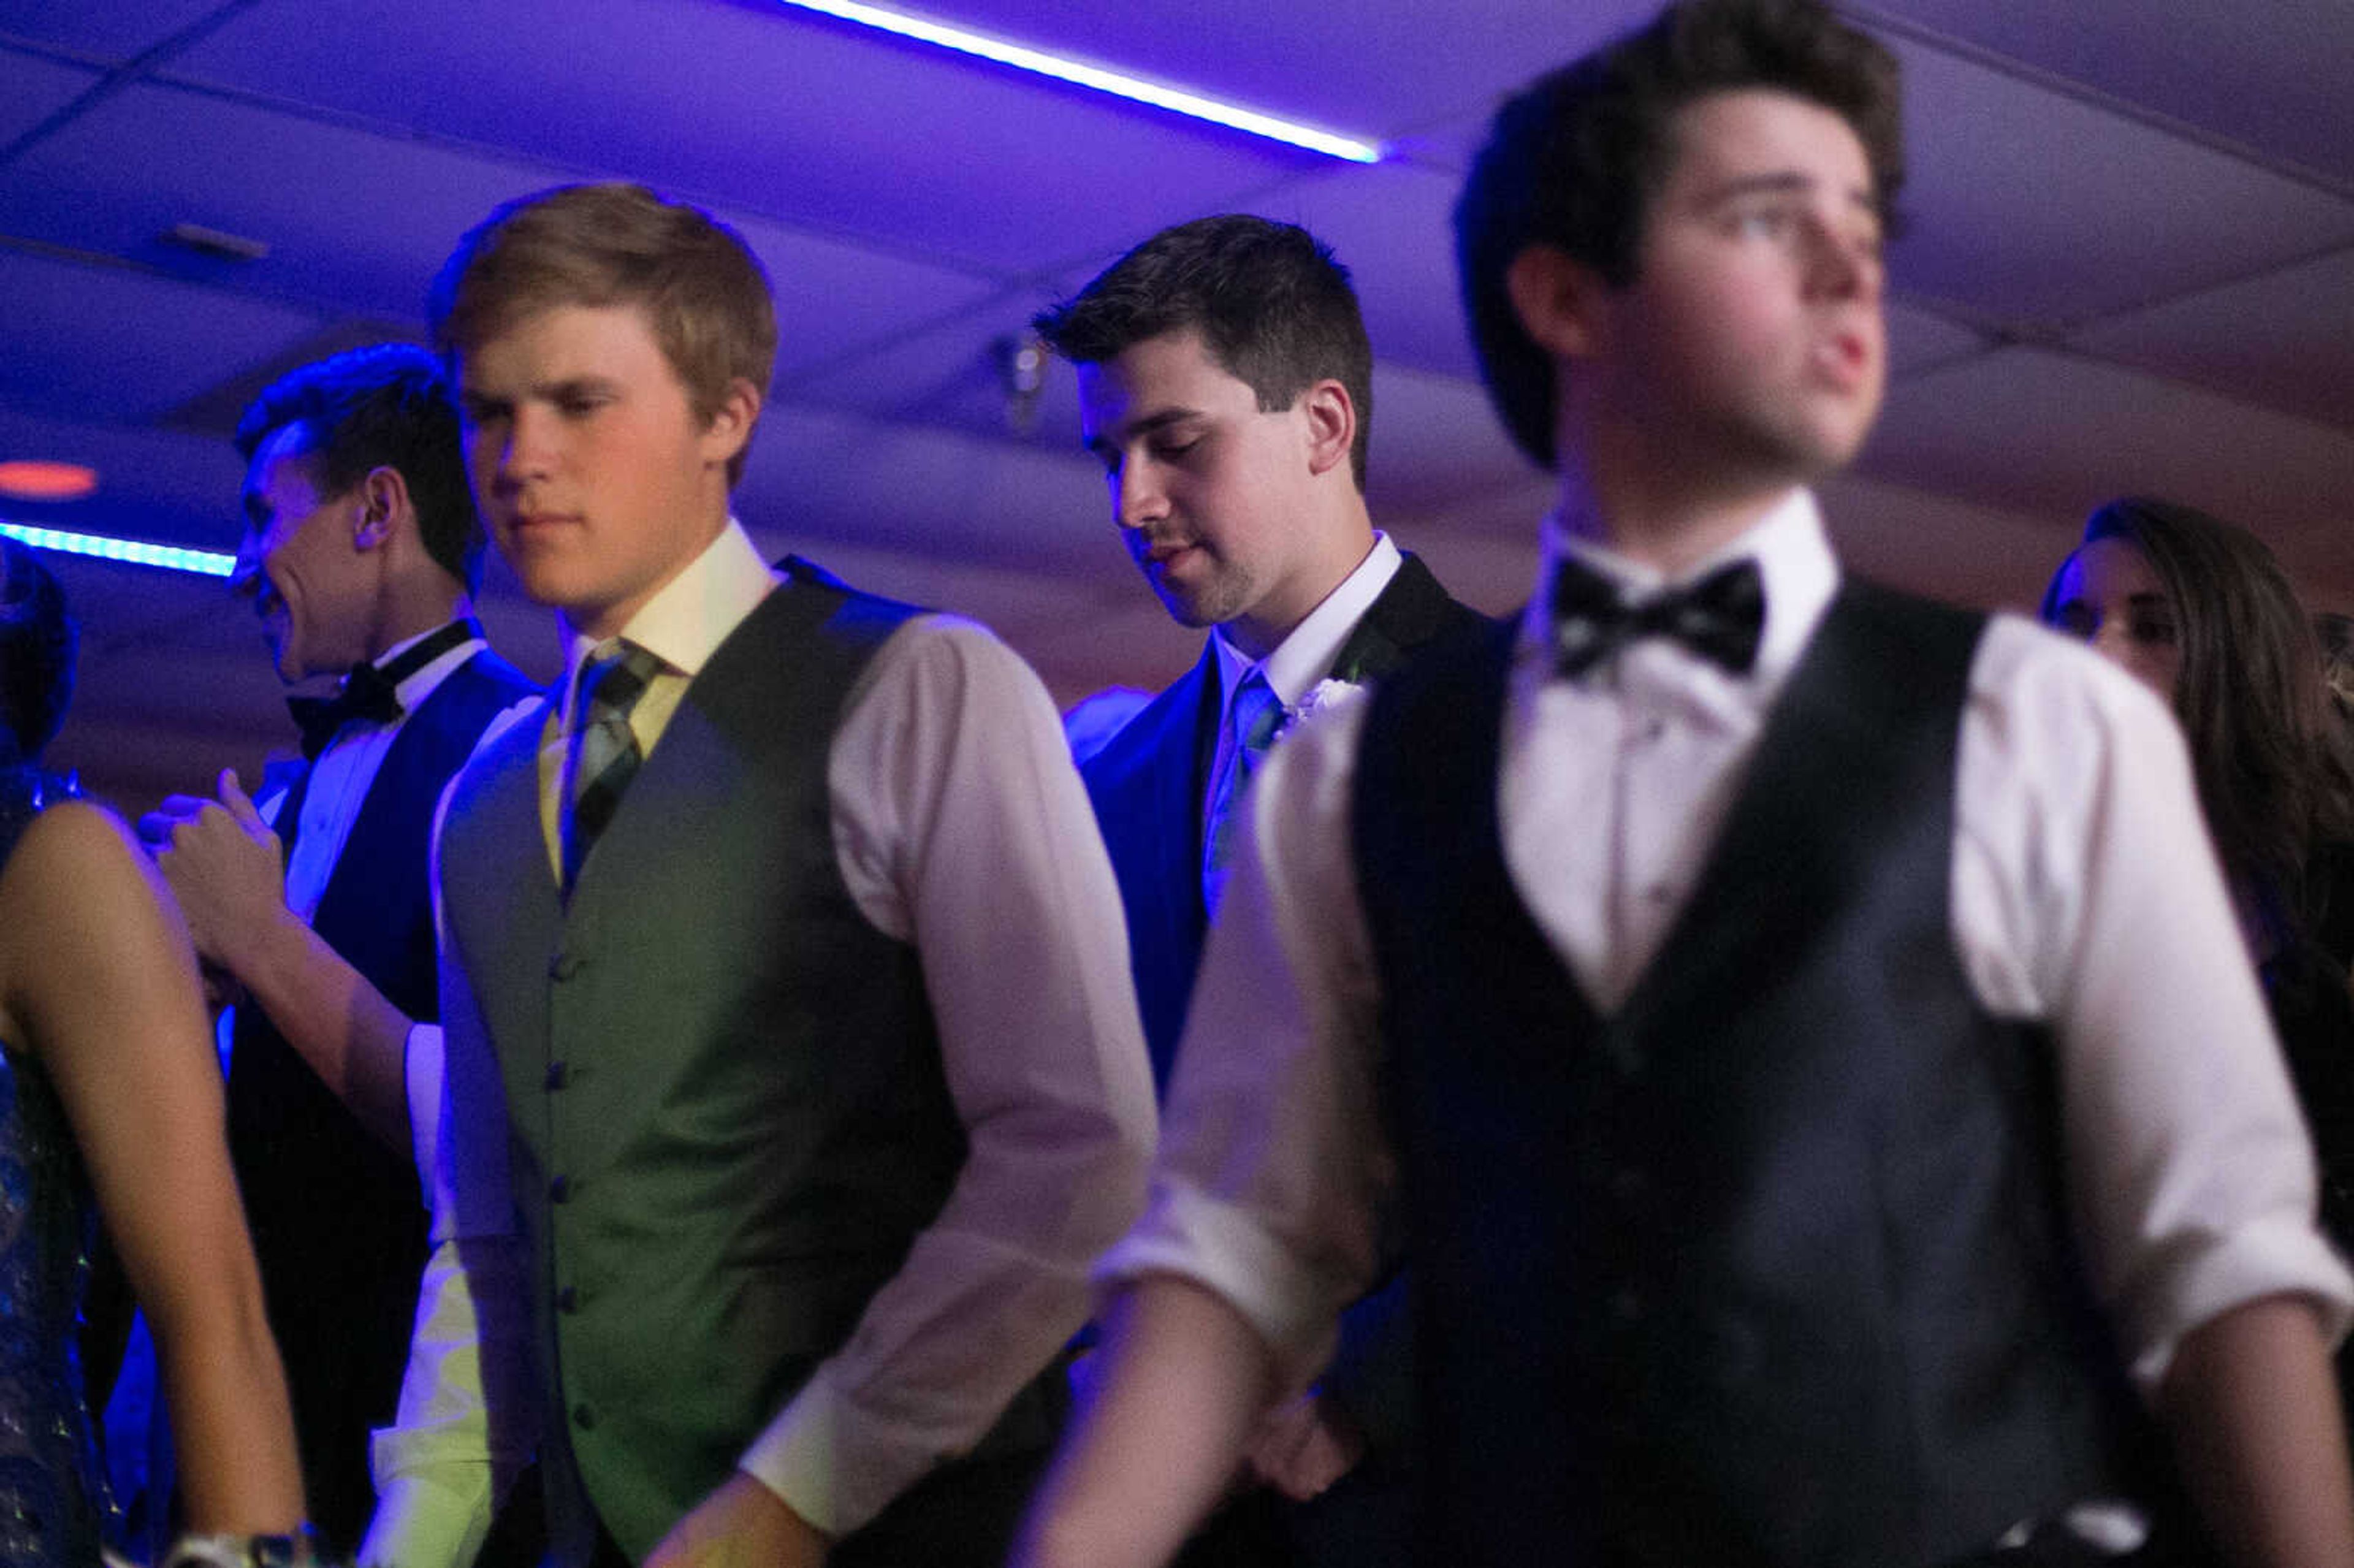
(789, 1046)
(360, 551)
(1798, 1028)
(1226, 381)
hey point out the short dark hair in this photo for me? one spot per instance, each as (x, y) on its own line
(1273, 308)
(704, 294)
(388, 405)
(1574, 160)
(37, 640)
(2249, 697)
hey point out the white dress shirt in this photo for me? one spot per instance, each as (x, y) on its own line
(960, 824)
(1292, 670)
(2085, 897)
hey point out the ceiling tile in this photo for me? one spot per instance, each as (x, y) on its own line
(32, 88)
(2285, 340)
(113, 30)
(2271, 75)
(2004, 172)
(817, 476)
(1919, 339)
(765, 111)
(1391, 227)
(1436, 447)
(82, 340)
(318, 194)
(952, 376)
(158, 485)
(2049, 434)
(1954, 550)
(1392, 72)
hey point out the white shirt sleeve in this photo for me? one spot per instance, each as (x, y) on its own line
(1274, 1168)
(961, 825)
(467, 1419)
(2086, 894)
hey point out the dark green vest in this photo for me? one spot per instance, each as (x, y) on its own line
(726, 1113)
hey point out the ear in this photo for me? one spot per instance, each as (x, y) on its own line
(1331, 425)
(385, 507)
(731, 427)
(1559, 300)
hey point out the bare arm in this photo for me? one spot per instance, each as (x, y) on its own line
(1185, 1379)
(2253, 1410)
(110, 1005)
(226, 868)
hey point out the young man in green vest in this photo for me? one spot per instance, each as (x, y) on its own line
(790, 1030)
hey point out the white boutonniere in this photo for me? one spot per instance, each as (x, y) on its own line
(1322, 695)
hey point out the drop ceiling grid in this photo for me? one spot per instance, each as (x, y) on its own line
(804, 122)
(33, 88)
(2004, 174)
(2271, 75)
(2051, 434)
(2283, 340)
(112, 31)
(80, 342)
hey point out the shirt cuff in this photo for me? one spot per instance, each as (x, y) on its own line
(832, 1463)
(2277, 1256)
(421, 1067)
(1221, 1247)
(428, 1521)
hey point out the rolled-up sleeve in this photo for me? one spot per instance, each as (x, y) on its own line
(961, 825)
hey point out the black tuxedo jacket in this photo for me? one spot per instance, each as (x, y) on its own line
(1147, 784)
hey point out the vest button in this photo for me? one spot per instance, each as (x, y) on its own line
(563, 967)
(1627, 1184)
(583, 1417)
(560, 1190)
(1626, 1305)
(569, 1298)
(559, 1075)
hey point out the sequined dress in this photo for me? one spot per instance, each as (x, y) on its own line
(50, 1493)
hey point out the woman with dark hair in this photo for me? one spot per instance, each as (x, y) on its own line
(2201, 612)
(108, 1088)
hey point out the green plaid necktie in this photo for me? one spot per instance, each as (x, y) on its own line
(604, 754)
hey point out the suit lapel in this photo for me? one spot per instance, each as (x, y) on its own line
(1407, 613)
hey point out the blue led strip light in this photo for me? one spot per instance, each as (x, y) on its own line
(171, 557)
(1133, 88)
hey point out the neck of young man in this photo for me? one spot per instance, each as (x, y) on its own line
(413, 614)
(1261, 631)
(1669, 515)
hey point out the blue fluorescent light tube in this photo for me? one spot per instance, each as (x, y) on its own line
(171, 557)
(1133, 88)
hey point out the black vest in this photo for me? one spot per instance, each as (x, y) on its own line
(1771, 1265)
(726, 1114)
(338, 1220)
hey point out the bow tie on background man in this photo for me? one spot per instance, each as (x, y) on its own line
(1719, 618)
(370, 692)
(366, 693)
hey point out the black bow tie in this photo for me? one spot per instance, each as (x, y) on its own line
(371, 691)
(1719, 618)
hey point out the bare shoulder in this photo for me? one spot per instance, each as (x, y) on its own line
(77, 884)
(74, 851)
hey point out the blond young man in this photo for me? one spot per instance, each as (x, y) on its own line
(788, 1031)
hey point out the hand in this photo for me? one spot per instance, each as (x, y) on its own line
(741, 1525)
(1303, 1445)
(226, 866)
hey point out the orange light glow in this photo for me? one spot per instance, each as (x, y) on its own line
(26, 479)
